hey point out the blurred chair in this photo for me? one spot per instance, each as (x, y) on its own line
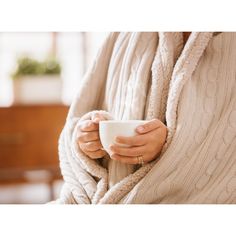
(29, 144)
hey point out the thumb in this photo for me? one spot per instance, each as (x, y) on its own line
(149, 126)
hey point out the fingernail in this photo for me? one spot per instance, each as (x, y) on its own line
(117, 139)
(141, 128)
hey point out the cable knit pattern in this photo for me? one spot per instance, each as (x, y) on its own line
(191, 87)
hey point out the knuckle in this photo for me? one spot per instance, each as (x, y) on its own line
(81, 145)
(86, 137)
(84, 149)
(89, 145)
(80, 138)
(123, 141)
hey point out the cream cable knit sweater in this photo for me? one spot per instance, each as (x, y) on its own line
(192, 88)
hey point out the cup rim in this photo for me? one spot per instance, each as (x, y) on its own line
(123, 121)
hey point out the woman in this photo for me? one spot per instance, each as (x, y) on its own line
(184, 84)
(148, 144)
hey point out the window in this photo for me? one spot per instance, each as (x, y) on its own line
(74, 51)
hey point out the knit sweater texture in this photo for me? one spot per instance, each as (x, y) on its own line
(191, 87)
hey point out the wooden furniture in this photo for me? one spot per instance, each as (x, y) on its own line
(29, 143)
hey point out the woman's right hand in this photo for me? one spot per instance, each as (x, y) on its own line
(88, 135)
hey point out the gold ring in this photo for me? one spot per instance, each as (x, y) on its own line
(140, 159)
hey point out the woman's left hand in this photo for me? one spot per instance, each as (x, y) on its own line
(147, 144)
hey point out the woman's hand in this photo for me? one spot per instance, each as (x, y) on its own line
(147, 143)
(88, 135)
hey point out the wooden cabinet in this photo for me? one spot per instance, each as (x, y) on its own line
(29, 140)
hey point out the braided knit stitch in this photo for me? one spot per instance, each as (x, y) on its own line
(153, 75)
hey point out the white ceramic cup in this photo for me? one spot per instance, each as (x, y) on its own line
(110, 129)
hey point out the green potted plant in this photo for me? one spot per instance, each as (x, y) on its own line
(37, 81)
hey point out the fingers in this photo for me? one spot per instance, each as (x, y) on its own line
(91, 124)
(91, 146)
(97, 154)
(137, 140)
(149, 126)
(87, 126)
(148, 143)
(96, 117)
(88, 136)
(125, 159)
(127, 151)
(93, 149)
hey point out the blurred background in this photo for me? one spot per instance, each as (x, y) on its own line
(39, 76)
